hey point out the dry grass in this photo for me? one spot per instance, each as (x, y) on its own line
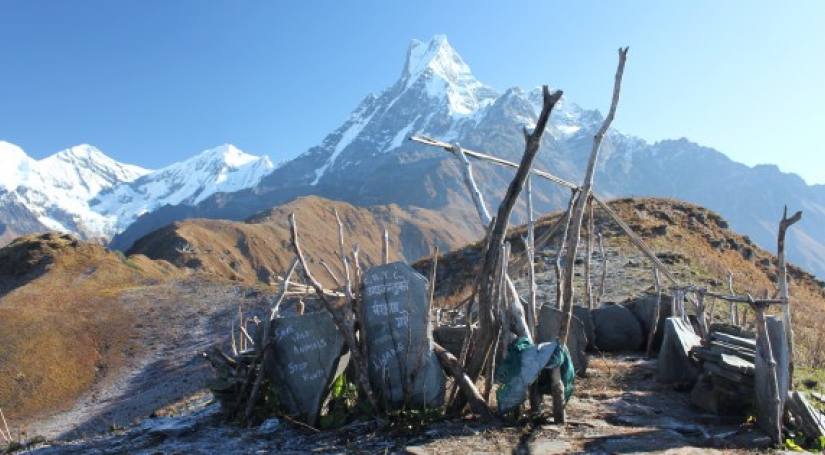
(256, 250)
(65, 328)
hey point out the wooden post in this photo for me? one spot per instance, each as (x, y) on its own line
(557, 392)
(557, 265)
(588, 284)
(734, 316)
(534, 393)
(578, 209)
(655, 323)
(531, 257)
(782, 277)
(603, 278)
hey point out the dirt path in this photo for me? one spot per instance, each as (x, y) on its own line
(618, 408)
(175, 323)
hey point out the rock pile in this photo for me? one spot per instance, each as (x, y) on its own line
(726, 383)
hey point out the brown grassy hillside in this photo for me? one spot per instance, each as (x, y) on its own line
(696, 244)
(59, 325)
(258, 248)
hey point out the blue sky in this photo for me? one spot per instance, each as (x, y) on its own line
(152, 82)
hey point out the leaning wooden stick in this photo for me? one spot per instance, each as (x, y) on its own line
(469, 181)
(468, 389)
(588, 282)
(782, 277)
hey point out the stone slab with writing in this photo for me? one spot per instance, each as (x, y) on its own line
(398, 332)
(307, 356)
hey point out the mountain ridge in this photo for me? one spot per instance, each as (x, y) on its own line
(367, 161)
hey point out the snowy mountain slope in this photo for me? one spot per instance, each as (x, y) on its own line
(56, 189)
(83, 191)
(221, 169)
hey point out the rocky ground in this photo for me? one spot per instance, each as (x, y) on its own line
(617, 408)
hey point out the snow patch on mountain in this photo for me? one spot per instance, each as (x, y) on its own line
(444, 75)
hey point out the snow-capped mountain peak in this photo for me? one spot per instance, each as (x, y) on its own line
(85, 166)
(443, 73)
(16, 165)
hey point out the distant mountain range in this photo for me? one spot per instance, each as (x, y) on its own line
(368, 161)
(83, 191)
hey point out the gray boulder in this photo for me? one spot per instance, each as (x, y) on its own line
(584, 315)
(548, 330)
(644, 308)
(617, 329)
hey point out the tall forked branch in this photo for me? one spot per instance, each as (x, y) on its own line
(578, 209)
(782, 277)
(492, 258)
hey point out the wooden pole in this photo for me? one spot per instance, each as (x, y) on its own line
(534, 393)
(603, 278)
(588, 284)
(734, 316)
(559, 254)
(655, 322)
(578, 209)
(531, 257)
(782, 277)
(343, 257)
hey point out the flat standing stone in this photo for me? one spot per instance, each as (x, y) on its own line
(399, 337)
(307, 357)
